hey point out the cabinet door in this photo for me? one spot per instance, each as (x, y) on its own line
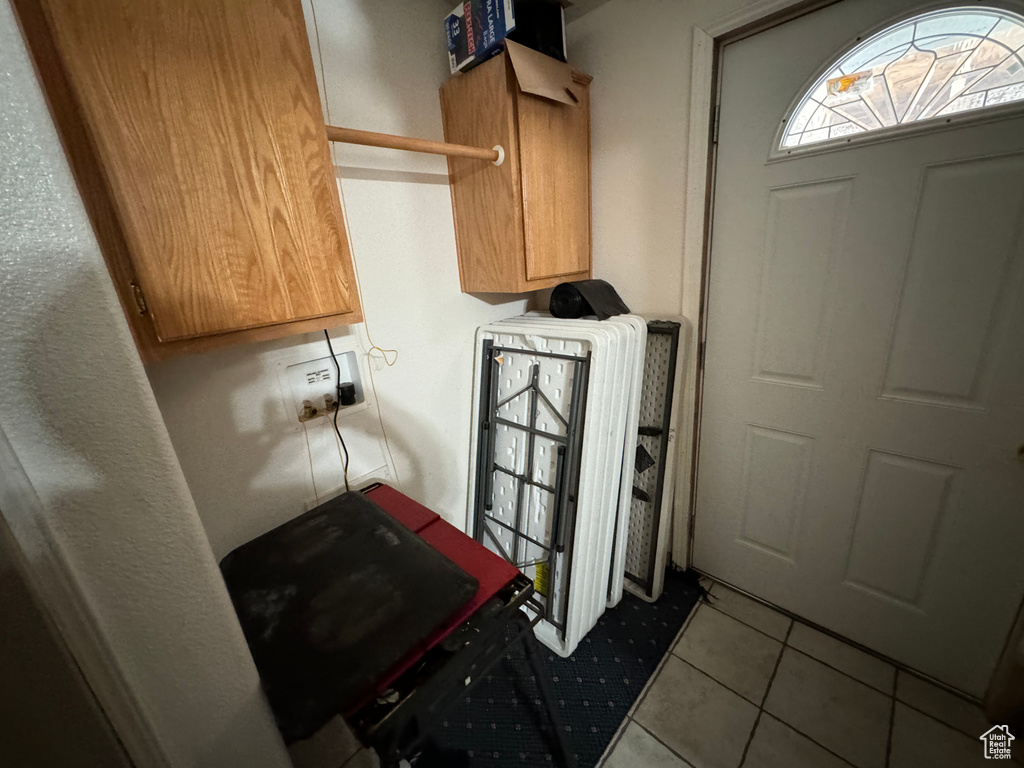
(554, 157)
(206, 124)
(478, 109)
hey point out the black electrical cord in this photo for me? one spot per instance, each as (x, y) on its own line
(337, 406)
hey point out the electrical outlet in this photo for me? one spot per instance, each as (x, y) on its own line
(313, 386)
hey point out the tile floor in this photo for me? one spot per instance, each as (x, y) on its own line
(746, 686)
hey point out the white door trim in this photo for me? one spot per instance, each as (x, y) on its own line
(696, 208)
(47, 573)
(748, 14)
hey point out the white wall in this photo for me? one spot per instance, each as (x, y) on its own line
(639, 53)
(110, 513)
(247, 465)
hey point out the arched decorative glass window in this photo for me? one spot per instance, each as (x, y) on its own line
(927, 67)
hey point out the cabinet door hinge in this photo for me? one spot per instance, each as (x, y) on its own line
(140, 299)
(717, 122)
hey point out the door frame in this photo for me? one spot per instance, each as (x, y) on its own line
(55, 587)
(707, 43)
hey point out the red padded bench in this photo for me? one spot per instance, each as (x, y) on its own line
(373, 607)
(420, 689)
(493, 573)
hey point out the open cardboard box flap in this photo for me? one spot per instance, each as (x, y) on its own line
(540, 75)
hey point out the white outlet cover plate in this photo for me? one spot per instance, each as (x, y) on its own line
(312, 379)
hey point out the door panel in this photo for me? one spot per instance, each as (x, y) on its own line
(776, 466)
(804, 232)
(941, 352)
(902, 502)
(863, 399)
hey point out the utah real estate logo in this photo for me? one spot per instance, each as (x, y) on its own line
(997, 742)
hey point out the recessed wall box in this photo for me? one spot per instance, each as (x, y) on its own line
(312, 381)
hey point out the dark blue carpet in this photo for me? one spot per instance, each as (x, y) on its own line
(503, 721)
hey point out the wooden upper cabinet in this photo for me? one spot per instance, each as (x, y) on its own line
(525, 224)
(195, 131)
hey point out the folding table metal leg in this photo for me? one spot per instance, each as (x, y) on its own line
(400, 732)
(534, 657)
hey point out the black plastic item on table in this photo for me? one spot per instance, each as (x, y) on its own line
(331, 600)
(586, 297)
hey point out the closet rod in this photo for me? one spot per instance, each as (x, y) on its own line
(371, 139)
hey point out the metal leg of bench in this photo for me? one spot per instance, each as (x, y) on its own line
(534, 656)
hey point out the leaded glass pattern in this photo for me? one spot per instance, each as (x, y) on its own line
(929, 66)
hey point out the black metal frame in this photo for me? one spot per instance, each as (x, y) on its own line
(567, 472)
(668, 328)
(396, 724)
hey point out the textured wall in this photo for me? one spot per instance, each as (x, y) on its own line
(379, 70)
(80, 415)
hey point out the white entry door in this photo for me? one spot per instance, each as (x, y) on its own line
(863, 397)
